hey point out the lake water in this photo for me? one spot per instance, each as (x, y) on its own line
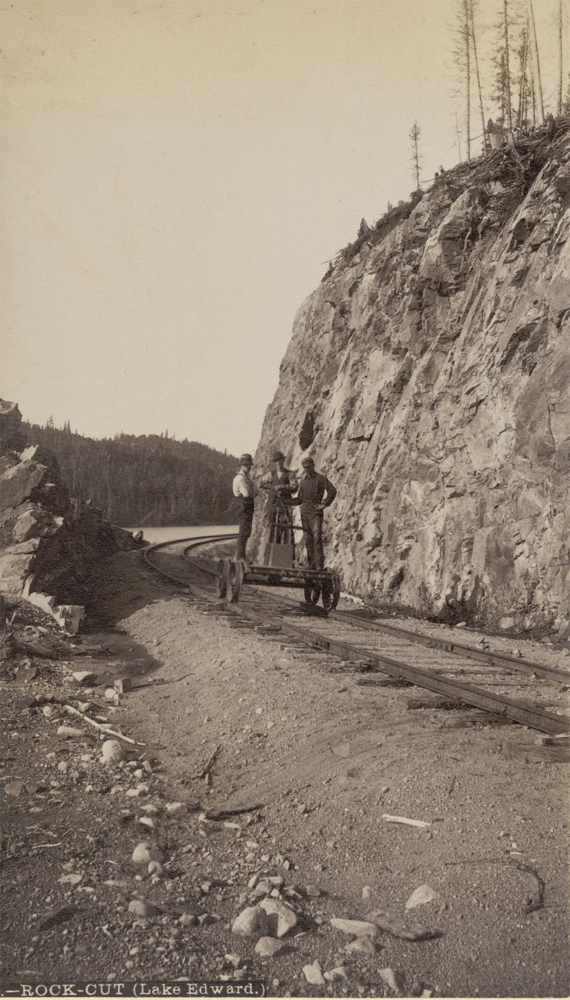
(185, 531)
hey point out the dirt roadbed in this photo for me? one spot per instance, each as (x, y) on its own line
(260, 781)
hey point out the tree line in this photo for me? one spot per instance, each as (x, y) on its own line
(143, 480)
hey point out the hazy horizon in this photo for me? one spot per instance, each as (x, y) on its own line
(176, 177)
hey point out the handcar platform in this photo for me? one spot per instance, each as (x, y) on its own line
(279, 569)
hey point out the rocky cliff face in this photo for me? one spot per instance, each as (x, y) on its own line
(429, 377)
(49, 542)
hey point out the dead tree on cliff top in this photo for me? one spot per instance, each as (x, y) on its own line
(462, 58)
(414, 138)
(536, 58)
(561, 23)
(466, 57)
(472, 6)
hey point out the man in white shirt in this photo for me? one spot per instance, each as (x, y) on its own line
(245, 490)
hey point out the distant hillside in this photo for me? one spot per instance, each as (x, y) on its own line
(144, 480)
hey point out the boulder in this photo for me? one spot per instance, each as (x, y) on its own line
(20, 482)
(12, 438)
(251, 922)
(281, 917)
(112, 751)
(269, 947)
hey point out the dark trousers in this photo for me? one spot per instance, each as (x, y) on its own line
(312, 522)
(245, 520)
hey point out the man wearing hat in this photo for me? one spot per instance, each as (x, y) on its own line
(284, 484)
(316, 492)
(245, 490)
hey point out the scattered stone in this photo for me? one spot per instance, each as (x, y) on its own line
(364, 944)
(313, 974)
(251, 922)
(14, 788)
(233, 958)
(123, 684)
(334, 975)
(143, 853)
(302, 808)
(281, 917)
(313, 891)
(151, 809)
(147, 821)
(142, 909)
(188, 920)
(27, 672)
(174, 807)
(358, 928)
(70, 879)
(111, 752)
(388, 976)
(155, 868)
(111, 696)
(366, 892)
(70, 732)
(84, 677)
(506, 623)
(423, 894)
(268, 947)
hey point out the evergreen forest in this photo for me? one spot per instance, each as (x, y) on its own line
(143, 480)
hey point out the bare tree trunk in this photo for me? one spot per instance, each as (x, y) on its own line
(477, 74)
(458, 135)
(560, 58)
(467, 78)
(509, 107)
(537, 57)
(522, 111)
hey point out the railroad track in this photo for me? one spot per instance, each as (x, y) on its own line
(497, 683)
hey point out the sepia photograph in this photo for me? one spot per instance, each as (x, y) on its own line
(285, 498)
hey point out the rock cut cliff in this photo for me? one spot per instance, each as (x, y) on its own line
(429, 377)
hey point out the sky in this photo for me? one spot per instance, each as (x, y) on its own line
(176, 176)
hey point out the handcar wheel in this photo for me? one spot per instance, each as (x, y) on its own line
(331, 592)
(312, 592)
(237, 573)
(222, 578)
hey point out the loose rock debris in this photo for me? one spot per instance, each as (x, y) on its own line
(276, 860)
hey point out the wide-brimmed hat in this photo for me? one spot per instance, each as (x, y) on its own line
(278, 456)
(246, 459)
(307, 461)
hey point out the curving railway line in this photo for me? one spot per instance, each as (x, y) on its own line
(513, 688)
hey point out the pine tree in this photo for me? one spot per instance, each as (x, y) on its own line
(502, 60)
(414, 137)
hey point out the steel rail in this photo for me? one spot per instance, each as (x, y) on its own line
(447, 645)
(529, 715)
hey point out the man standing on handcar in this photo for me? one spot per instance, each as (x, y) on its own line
(245, 490)
(312, 500)
(283, 483)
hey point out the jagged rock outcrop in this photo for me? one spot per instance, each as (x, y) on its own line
(429, 376)
(49, 541)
